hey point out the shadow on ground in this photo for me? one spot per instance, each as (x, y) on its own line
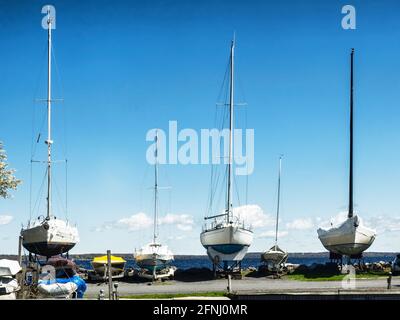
(194, 274)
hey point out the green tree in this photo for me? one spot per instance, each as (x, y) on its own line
(7, 178)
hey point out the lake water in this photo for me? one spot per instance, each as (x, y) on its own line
(204, 262)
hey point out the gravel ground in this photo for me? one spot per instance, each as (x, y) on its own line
(255, 285)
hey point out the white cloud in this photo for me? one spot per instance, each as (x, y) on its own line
(4, 219)
(300, 224)
(254, 215)
(271, 234)
(384, 223)
(135, 222)
(176, 238)
(183, 222)
(141, 221)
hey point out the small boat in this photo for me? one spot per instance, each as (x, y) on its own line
(99, 265)
(226, 238)
(65, 283)
(48, 236)
(275, 257)
(154, 256)
(350, 238)
(58, 288)
(8, 283)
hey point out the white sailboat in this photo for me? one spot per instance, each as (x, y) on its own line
(275, 257)
(154, 256)
(351, 237)
(226, 238)
(48, 236)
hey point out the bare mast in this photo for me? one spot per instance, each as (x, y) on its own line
(351, 136)
(49, 142)
(229, 212)
(279, 198)
(155, 192)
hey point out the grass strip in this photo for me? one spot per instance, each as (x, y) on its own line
(176, 295)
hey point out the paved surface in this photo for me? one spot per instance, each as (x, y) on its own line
(253, 285)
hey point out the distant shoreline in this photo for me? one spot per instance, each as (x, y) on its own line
(250, 255)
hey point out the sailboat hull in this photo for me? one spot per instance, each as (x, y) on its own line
(153, 262)
(153, 257)
(49, 238)
(275, 255)
(47, 249)
(349, 239)
(229, 243)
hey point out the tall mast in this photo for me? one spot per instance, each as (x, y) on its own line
(231, 127)
(351, 138)
(49, 142)
(155, 191)
(279, 199)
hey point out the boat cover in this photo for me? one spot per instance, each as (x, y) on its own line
(103, 260)
(78, 281)
(9, 268)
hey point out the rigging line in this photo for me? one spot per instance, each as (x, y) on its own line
(30, 191)
(64, 109)
(38, 199)
(58, 193)
(219, 117)
(216, 183)
(43, 64)
(44, 53)
(223, 183)
(224, 80)
(214, 176)
(66, 188)
(35, 144)
(209, 200)
(59, 83)
(247, 171)
(213, 190)
(236, 189)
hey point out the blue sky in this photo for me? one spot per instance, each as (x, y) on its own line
(124, 67)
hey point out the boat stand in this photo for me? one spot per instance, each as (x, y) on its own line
(222, 271)
(336, 258)
(276, 270)
(29, 277)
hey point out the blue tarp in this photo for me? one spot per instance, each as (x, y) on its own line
(75, 279)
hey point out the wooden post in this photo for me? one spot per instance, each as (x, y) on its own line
(389, 281)
(229, 284)
(20, 250)
(20, 276)
(110, 285)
